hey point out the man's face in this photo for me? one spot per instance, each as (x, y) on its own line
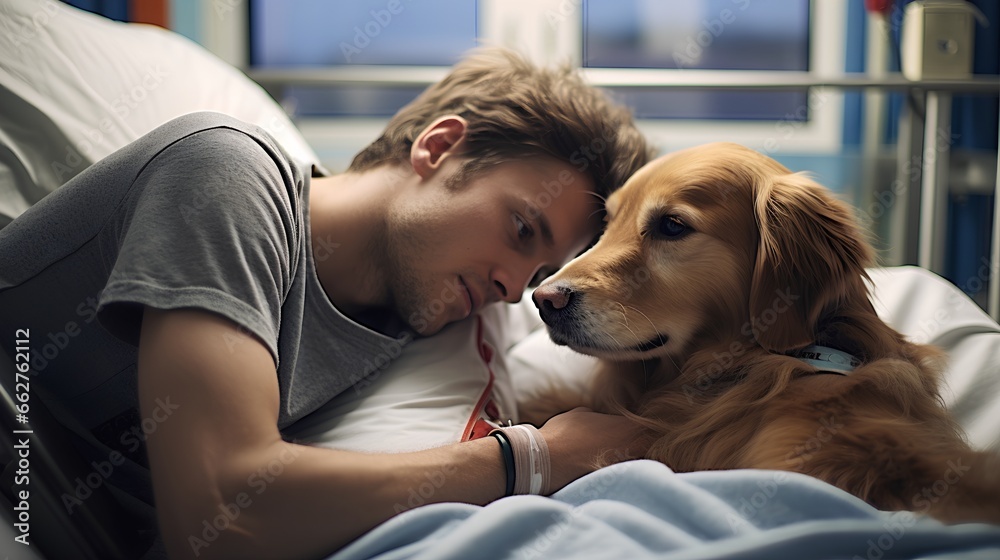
(454, 249)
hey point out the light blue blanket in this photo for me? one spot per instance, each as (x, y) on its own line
(641, 509)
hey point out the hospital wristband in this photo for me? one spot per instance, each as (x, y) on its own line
(531, 459)
(508, 458)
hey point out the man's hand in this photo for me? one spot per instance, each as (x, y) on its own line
(581, 441)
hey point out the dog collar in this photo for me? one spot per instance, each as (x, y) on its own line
(827, 359)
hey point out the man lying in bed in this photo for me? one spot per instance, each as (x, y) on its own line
(233, 295)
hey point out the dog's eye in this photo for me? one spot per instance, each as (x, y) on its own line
(670, 227)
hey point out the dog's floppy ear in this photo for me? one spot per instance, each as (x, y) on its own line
(810, 255)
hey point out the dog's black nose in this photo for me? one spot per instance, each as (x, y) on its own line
(553, 301)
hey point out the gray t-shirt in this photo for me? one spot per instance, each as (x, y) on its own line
(205, 212)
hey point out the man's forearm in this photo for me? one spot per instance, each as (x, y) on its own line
(295, 501)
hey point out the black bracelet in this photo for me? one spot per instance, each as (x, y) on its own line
(508, 459)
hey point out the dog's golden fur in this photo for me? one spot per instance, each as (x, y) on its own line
(693, 332)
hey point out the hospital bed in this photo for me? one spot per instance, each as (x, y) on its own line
(75, 87)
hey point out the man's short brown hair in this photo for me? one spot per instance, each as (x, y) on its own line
(515, 110)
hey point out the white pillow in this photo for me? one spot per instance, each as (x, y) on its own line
(75, 87)
(930, 310)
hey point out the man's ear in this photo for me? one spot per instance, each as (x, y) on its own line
(442, 138)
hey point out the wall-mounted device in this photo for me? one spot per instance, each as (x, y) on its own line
(937, 39)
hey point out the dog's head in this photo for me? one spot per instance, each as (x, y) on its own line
(710, 244)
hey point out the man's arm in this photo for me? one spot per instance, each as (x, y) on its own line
(220, 453)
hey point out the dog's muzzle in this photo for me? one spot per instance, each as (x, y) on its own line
(563, 310)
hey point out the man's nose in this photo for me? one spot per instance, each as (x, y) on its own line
(513, 281)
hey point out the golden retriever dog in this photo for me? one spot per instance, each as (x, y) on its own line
(728, 303)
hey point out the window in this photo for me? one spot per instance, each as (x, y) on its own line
(384, 32)
(628, 46)
(705, 35)
(320, 33)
